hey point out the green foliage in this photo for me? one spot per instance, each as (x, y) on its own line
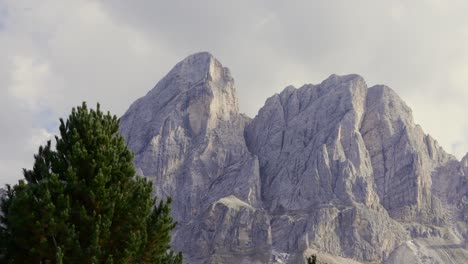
(81, 203)
(312, 259)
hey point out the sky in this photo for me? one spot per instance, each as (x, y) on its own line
(56, 54)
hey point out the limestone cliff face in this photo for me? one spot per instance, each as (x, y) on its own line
(309, 147)
(316, 173)
(403, 157)
(187, 136)
(336, 168)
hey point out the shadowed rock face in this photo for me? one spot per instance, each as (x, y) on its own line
(403, 157)
(336, 167)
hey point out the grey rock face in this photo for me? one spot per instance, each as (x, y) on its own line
(187, 136)
(336, 168)
(229, 231)
(309, 147)
(403, 157)
(316, 173)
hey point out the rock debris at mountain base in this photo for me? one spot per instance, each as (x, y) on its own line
(335, 168)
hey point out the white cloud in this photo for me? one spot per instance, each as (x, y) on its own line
(40, 138)
(28, 80)
(11, 167)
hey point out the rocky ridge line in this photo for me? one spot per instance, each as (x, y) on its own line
(336, 167)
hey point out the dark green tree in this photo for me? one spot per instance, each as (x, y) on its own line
(81, 203)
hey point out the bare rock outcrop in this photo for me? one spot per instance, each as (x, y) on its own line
(335, 168)
(403, 158)
(187, 136)
(316, 173)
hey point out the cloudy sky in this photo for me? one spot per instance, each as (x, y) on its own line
(56, 54)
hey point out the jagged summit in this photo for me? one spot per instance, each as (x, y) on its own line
(334, 167)
(199, 67)
(188, 137)
(195, 66)
(198, 88)
(334, 79)
(192, 71)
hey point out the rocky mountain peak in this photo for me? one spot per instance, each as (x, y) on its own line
(334, 80)
(385, 102)
(198, 91)
(315, 121)
(334, 167)
(198, 67)
(188, 137)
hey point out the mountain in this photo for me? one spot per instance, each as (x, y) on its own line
(336, 168)
(188, 137)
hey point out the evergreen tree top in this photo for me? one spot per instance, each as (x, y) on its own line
(82, 203)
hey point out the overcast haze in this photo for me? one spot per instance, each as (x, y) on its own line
(56, 54)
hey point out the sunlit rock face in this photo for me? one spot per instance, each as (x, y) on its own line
(188, 138)
(335, 168)
(309, 146)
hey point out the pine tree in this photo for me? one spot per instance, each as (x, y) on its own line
(82, 203)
